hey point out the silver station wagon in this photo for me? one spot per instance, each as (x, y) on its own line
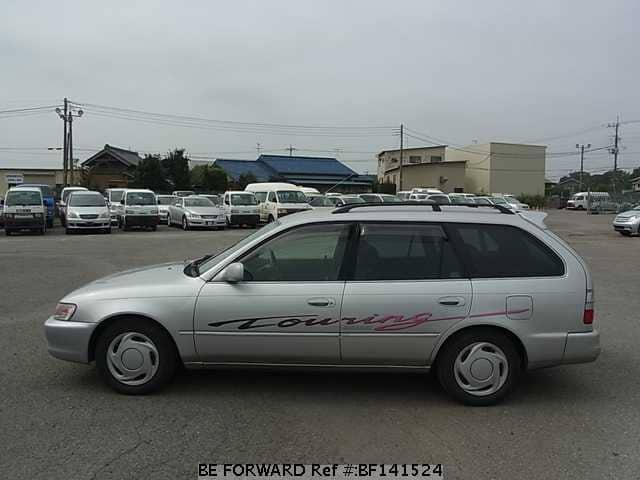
(477, 294)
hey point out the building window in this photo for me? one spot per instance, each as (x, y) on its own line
(436, 158)
(394, 160)
(458, 190)
(414, 158)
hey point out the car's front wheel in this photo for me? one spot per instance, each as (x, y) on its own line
(136, 357)
(479, 367)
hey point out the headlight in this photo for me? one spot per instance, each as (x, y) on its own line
(37, 215)
(633, 218)
(72, 214)
(104, 215)
(193, 215)
(64, 311)
(154, 211)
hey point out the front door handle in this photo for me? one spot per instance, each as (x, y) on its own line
(451, 301)
(321, 302)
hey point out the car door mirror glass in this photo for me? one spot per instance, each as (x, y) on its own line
(233, 273)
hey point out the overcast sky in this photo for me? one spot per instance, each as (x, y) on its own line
(460, 71)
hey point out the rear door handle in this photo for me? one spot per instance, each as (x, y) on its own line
(321, 302)
(451, 301)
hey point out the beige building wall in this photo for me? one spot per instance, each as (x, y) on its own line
(477, 158)
(390, 159)
(51, 177)
(517, 168)
(430, 175)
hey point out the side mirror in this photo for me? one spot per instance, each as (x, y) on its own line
(234, 273)
(122, 201)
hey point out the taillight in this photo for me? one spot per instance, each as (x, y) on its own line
(589, 313)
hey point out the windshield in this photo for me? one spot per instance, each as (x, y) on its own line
(238, 246)
(197, 202)
(389, 199)
(45, 189)
(117, 196)
(66, 193)
(260, 196)
(291, 196)
(141, 198)
(23, 198)
(86, 200)
(243, 199)
(167, 200)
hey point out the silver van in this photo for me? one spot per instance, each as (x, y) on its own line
(477, 294)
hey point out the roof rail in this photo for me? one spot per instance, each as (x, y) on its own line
(426, 203)
(500, 208)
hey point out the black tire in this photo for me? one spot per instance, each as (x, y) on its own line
(49, 222)
(154, 228)
(167, 360)
(120, 223)
(107, 230)
(447, 356)
(125, 227)
(625, 234)
(67, 231)
(270, 219)
(185, 224)
(7, 232)
(42, 231)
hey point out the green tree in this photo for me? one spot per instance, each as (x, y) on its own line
(209, 178)
(176, 166)
(245, 179)
(150, 174)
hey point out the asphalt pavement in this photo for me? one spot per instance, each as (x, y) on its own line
(58, 420)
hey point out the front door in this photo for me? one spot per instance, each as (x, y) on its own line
(407, 288)
(286, 310)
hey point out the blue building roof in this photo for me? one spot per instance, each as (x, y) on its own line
(288, 165)
(235, 168)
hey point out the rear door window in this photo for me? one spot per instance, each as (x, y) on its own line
(406, 251)
(497, 251)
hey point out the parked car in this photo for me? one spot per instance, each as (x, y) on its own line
(183, 193)
(114, 197)
(164, 202)
(477, 295)
(2, 212)
(87, 211)
(404, 195)
(462, 200)
(241, 208)
(580, 200)
(627, 223)
(379, 198)
(62, 203)
(335, 201)
(512, 201)
(278, 199)
(48, 197)
(24, 209)
(195, 211)
(439, 198)
(138, 208)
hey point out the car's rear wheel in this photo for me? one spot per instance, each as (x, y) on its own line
(7, 232)
(479, 367)
(136, 357)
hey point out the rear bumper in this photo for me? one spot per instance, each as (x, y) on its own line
(244, 219)
(582, 347)
(68, 340)
(141, 220)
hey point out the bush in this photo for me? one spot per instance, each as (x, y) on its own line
(534, 201)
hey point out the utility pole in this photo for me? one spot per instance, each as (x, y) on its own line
(291, 149)
(615, 149)
(67, 115)
(401, 153)
(581, 147)
(258, 148)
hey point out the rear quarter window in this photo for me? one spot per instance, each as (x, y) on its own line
(504, 251)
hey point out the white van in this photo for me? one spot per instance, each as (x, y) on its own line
(24, 210)
(138, 208)
(430, 190)
(278, 199)
(581, 199)
(241, 208)
(114, 196)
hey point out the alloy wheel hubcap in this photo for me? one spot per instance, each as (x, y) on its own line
(132, 358)
(481, 369)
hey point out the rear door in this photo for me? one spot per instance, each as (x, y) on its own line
(406, 287)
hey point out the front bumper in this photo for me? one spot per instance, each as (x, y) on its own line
(141, 220)
(74, 223)
(244, 219)
(12, 223)
(582, 347)
(626, 226)
(208, 222)
(69, 340)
